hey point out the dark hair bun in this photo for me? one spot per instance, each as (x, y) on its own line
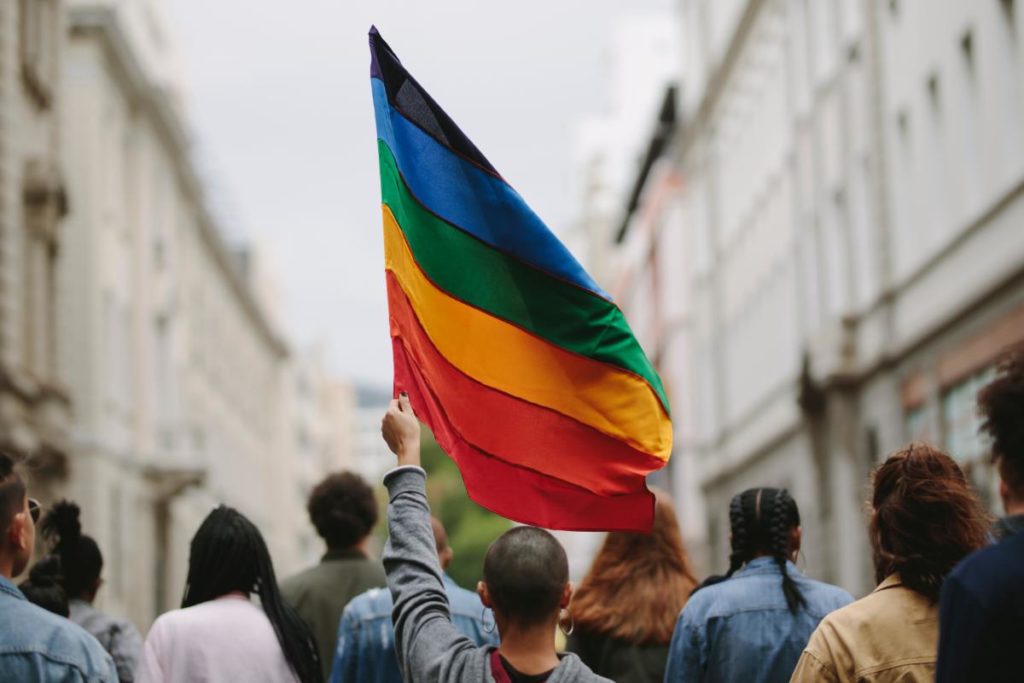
(62, 523)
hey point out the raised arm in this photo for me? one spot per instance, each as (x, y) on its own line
(425, 639)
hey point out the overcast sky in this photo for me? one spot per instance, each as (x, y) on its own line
(279, 96)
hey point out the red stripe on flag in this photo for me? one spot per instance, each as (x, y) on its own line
(517, 493)
(518, 431)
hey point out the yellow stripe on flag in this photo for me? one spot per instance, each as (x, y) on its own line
(505, 357)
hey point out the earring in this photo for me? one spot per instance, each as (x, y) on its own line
(561, 621)
(483, 621)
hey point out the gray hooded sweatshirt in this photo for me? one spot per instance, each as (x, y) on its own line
(430, 649)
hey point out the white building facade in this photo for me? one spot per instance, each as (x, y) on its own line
(849, 249)
(183, 389)
(320, 435)
(173, 370)
(34, 406)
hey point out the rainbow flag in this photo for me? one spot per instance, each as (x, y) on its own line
(525, 370)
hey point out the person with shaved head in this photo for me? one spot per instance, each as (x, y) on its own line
(525, 583)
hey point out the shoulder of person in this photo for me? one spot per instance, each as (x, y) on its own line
(571, 669)
(463, 601)
(67, 639)
(1001, 560)
(830, 596)
(989, 576)
(61, 630)
(296, 583)
(847, 623)
(34, 633)
(184, 617)
(123, 629)
(723, 598)
(369, 604)
(370, 570)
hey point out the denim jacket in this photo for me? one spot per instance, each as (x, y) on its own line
(36, 645)
(366, 638)
(742, 630)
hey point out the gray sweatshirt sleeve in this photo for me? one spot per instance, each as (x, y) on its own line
(428, 645)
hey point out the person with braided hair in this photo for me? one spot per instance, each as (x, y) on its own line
(81, 564)
(219, 634)
(752, 623)
(924, 519)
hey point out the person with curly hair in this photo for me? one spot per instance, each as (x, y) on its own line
(751, 624)
(924, 519)
(344, 511)
(81, 564)
(981, 610)
(625, 609)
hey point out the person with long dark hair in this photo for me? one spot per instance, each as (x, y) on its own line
(219, 634)
(981, 610)
(753, 623)
(81, 564)
(625, 609)
(924, 520)
(525, 583)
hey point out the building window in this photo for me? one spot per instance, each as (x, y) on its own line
(1009, 11)
(39, 34)
(44, 203)
(903, 124)
(961, 437)
(967, 49)
(933, 91)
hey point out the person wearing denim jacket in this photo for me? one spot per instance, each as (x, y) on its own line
(753, 625)
(366, 638)
(36, 645)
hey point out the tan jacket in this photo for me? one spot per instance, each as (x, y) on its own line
(888, 636)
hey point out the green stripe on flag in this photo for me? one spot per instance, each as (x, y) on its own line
(476, 273)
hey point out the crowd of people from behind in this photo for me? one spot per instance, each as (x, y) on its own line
(948, 606)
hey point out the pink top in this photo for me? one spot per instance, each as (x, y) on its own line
(227, 639)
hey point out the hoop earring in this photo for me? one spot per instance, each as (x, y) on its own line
(572, 623)
(483, 621)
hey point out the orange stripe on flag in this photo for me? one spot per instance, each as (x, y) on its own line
(514, 430)
(505, 357)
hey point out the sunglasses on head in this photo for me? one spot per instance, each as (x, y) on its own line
(34, 509)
